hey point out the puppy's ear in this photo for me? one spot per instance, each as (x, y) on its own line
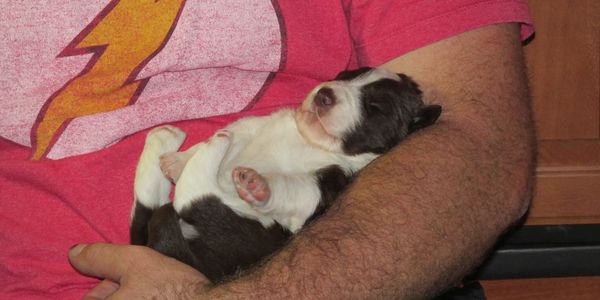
(409, 84)
(426, 116)
(351, 74)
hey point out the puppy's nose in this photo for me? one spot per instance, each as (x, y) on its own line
(325, 98)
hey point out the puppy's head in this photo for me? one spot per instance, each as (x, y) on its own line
(364, 111)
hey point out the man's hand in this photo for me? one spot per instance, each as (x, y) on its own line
(135, 272)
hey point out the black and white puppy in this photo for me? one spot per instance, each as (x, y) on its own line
(241, 194)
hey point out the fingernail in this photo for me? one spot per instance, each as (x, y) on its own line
(76, 249)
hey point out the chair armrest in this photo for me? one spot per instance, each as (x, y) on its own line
(537, 251)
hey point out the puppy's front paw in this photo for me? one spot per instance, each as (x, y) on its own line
(251, 186)
(172, 163)
(165, 138)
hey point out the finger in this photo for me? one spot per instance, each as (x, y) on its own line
(103, 260)
(102, 291)
(121, 294)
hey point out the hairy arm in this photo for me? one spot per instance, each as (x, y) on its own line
(419, 218)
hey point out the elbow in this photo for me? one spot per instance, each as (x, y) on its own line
(520, 163)
(524, 181)
(515, 161)
(507, 157)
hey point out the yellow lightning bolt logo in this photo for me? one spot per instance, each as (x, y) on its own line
(123, 38)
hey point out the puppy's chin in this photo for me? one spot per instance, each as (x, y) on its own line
(311, 128)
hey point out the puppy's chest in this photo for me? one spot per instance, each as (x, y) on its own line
(273, 145)
(276, 153)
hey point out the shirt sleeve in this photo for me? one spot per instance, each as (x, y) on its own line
(382, 30)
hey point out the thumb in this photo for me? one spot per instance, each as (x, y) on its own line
(102, 260)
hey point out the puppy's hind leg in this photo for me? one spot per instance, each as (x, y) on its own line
(172, 163)
(151, 187)
(166, 237)
(251, 186)
(199, 176)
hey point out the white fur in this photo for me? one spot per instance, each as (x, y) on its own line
(273, 147)
(187, 230)
(286, 148)
(151, 187)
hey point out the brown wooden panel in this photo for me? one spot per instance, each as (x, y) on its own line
(579, 288)
(564, 62)
(563, 220)
(568, 183)
(568, 155)
(570, 196)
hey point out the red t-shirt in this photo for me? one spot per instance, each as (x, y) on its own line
(80, 84)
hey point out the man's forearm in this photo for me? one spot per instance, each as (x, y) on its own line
(420, 217)
(437, 203)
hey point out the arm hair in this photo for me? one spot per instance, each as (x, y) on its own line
(421, 217)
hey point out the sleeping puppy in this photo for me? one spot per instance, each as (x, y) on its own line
(241, 194)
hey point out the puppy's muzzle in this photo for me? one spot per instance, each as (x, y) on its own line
(324, 99)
